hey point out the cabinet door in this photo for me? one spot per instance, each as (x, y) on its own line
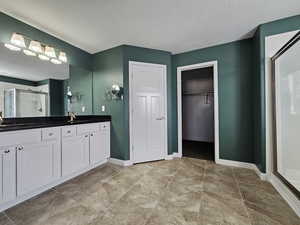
(75, 154)
(97, 147)
(7, 175)
(37, 165)
(105, 138)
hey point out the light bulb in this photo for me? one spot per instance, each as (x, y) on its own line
(49, 51)
(43, 57)
(35, 46)
(12, 47)
(28, 52)
(55, 61)
(18, 40)
(63, 57)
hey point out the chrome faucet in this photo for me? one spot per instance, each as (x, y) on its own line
(1, 118)
(72, 116)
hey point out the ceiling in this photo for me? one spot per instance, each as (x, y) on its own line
(28, 67)
(172, 25)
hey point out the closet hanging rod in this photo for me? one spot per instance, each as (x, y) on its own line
(198, 93)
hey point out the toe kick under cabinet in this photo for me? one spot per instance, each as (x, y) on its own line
(34, 160)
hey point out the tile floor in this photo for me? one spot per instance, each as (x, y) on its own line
(179, 192)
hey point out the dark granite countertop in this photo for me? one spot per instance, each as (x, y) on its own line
(14, 124)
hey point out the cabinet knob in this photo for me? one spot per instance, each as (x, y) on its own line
(20, 148)
(50, 134)
(7, 151)
(86, 136)
(68, 131)
(92, 135)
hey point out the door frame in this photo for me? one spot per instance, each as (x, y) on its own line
(131, 64)
(181, 69)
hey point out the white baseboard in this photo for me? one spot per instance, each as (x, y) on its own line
(288, 196)
(120, 162)
(172, 156)
(251, 166)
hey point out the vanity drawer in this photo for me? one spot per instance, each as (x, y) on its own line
(87, 128)
(50, 133)
(68, 131)
(20, 137)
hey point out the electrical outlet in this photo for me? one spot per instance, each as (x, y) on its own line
(103, 108)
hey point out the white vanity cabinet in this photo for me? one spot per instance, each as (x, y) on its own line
(35, 160)
(7, 174)
(75, 151)
(38, 164)
(84, 145)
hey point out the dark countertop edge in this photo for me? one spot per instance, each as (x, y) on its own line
(56, 123)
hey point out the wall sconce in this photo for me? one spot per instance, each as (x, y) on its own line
(115, 92)
(36, 48)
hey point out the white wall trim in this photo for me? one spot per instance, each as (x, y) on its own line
(172, 156)
(251, 166)
(213, 64)
(131, 63)
(120, 162)
(291, 199)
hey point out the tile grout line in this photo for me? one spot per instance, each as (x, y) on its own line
(242, 197)
(160, 199)
(121, 196)
(201, 198)
(10, 219)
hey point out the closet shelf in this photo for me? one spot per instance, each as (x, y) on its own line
(204, 93)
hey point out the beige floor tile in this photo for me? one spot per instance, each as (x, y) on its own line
(177, 192)
(4, 220)
(217, 210)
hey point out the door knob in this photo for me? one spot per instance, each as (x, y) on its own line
(160, 118)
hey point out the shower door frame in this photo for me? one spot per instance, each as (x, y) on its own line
(286, 47)
(33, 92)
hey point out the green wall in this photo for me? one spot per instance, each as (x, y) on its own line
(235, 95)
(264, 30)
(111, 66)
(108, 69)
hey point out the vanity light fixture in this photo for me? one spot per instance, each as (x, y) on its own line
(63, 57)
(50, 52)
(12, 47)
(29, 53)
(43, 57)
(56, 61)
(18, 40)
(35, 46)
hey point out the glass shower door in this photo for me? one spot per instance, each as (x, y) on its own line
(286, 111)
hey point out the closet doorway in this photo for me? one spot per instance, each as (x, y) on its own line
(198, 111)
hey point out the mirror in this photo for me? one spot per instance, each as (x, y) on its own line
(31, 87)
(79, 91)
(286, 109)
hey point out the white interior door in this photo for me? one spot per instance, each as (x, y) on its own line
(148, 112)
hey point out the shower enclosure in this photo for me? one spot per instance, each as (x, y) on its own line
(25, 103)
(286, 114)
